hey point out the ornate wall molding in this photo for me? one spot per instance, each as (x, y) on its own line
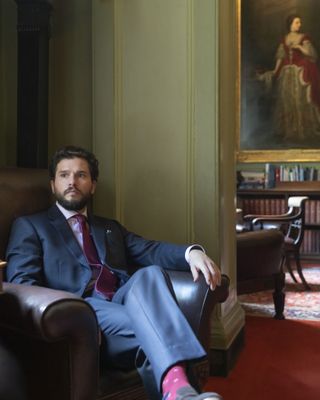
(190, 187)
(118, 108)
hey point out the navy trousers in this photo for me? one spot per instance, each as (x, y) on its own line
(143, 327)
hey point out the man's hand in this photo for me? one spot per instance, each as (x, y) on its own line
(200, 262)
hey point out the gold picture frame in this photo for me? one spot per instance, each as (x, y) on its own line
(256, 140)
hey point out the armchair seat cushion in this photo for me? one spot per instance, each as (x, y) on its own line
(55, 336)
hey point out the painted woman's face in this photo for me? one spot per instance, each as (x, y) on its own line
(296, 25)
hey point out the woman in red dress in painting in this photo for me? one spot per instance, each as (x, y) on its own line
(297, 78)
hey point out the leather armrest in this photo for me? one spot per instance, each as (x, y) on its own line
(277, 219)
(51, 315)
(250, 217)
(197, 301)
(46, 313)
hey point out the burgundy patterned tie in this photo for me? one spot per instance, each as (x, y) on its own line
(105, 281)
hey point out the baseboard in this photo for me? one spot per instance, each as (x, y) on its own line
(222, 361)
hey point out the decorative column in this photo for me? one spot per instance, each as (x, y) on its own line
(32, 97)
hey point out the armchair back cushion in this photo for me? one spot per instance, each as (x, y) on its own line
(17, 185)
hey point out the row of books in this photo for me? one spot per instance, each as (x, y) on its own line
(293, 173)
(266, 206)
(311, 243)
(276, 173)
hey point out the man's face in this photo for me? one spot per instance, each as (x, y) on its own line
(73, 185)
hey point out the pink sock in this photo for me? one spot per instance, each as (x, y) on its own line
(174, 379)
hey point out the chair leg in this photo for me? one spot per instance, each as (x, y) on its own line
(288, 265)
(299, 270)
(279, 295)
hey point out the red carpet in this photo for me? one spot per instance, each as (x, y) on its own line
(280, 361)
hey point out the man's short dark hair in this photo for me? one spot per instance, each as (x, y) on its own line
(69, 152)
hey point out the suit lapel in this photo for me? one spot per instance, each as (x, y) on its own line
(63, 229)
(98, 232)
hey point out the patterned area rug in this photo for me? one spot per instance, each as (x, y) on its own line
(299, 304)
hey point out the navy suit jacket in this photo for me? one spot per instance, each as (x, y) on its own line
(43, 250)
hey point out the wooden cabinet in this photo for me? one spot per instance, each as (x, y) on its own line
(274, 201)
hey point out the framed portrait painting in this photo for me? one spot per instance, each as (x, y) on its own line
(279, 80)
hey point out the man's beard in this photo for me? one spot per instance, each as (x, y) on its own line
(73, 205)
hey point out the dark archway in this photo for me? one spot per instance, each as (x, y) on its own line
(32, 97)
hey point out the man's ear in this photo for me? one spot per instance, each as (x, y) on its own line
(52, 185)
(94, 185)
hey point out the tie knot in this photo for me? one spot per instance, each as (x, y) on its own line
(80, 218)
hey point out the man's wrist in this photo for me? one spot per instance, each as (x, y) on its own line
(190, 248)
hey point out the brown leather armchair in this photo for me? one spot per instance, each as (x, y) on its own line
(12, 382)
(54, 334)
(259, 255)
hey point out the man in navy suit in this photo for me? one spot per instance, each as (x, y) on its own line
(67, 248)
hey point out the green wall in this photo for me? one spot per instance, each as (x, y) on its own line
(165, 136)
(148, 86)
(70, 74)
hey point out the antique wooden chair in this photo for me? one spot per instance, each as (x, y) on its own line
(292, 224)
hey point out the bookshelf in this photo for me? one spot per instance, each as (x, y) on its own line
(269, 175)
(274, 201)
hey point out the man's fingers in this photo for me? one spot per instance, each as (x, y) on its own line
(211, 276)
(195, 273)
(200, 262)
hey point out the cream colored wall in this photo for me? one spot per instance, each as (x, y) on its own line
(8, 79)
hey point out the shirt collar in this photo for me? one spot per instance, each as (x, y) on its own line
(68, 213)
